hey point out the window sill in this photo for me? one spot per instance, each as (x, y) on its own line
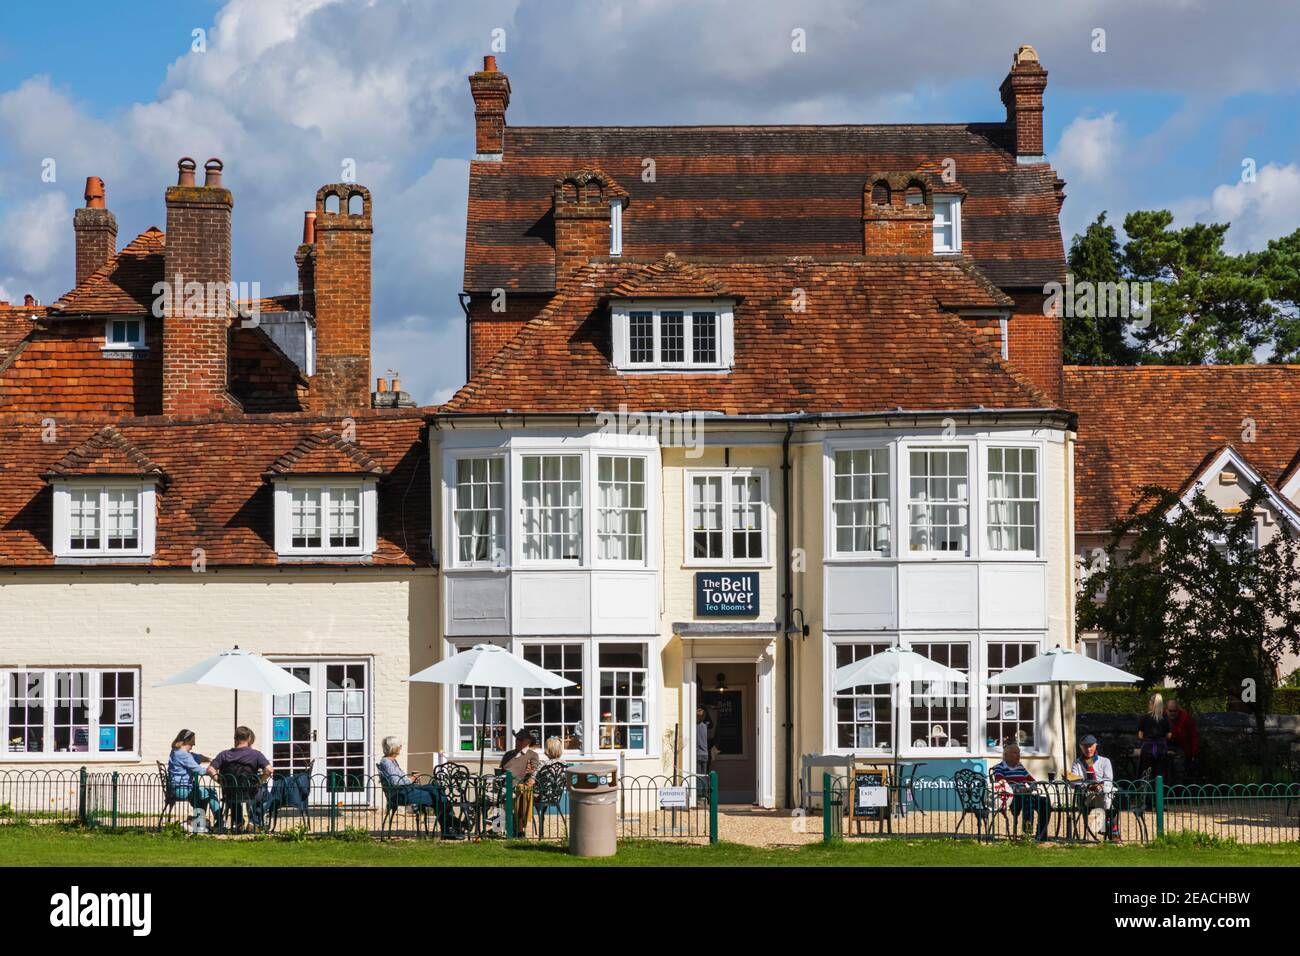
(723, 565)
(91, 560)
(324, 557)
(70, 758)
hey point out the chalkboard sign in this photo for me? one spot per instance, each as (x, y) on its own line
(869, 794)
(727, 709)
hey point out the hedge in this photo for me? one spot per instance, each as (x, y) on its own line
(1129, 700)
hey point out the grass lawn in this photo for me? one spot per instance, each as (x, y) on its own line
(56, 846)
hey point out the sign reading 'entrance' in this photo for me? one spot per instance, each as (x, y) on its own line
(726, 594)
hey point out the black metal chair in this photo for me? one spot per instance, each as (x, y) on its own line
(463, 796)
(170, 797)
(548, 793)
(289, 791)
(397, 796)
(1003, 806)
(972, 794)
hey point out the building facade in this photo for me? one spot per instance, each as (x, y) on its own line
(746, 404)
(181, 473)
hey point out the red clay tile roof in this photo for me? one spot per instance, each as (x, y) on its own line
(324, 453)
(122, 285)
(671, 276)
(107, 452)
(748, 191)
(871, 337)
(15, 324)
(1157, 425)
(217, 498)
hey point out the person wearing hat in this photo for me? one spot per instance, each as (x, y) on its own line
(1097, 772)
(523, 762)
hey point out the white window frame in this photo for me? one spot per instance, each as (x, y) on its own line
(368, 513)
(584, 558)
(986, 499)
(596, 455)
(650, 698)
(131, 345)
(93, 698)
(1041, 696)
(724, 324)
(516, 706)
(832, 537)
(453, 532)
(616, 226)
(726, 474)
(146, 519)
(831, 729)
(903, 490)
(452, 647)
(977, 692)
(952, 203)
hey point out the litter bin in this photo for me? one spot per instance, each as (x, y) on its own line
(593, 806)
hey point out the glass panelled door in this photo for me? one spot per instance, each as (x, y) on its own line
(326, 728)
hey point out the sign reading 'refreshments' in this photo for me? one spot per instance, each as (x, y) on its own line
(726, 594)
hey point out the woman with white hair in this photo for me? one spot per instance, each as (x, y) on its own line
(416, 794)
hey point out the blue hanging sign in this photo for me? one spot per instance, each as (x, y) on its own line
(280, 730)
(726, 593)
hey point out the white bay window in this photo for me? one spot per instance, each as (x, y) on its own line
(1013, 499)
(551, 489)
(939, 499)
(479, 510)
(621, 508)
(860, 502)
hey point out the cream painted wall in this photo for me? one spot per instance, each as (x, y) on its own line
(162, 622)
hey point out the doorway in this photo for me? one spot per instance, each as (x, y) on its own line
(325, 729)
(728, 693)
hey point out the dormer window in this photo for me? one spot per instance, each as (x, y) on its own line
(686, 334)
(325, 517)
(947, 221)
(124, 334)
(616, 227)
(103, 519)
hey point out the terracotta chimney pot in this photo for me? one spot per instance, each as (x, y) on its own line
(94, 192)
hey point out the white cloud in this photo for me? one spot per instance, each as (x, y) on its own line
(1089, 148)
(35, 234)
(1267, 208)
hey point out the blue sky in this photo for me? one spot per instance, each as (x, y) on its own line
(286, 90)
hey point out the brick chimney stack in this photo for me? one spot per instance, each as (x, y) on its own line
(581, 212)
(892, 226)
(197, 272)
(1022, 94)
(491, 92)
(305, 257)
(339, 261)
(96, 230)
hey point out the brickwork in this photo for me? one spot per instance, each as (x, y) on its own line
(340, 264)
(1034, 344)
(96, 239)
(195, 345)
(491, 93)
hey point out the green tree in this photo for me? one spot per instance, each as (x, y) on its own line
(1279, 266)
(1187, 594)
(1207, 306)
(1092, 338)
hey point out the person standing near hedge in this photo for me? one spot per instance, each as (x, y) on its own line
(1153, 738)
(1182, 734)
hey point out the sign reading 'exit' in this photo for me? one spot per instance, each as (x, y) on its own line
(726, 593)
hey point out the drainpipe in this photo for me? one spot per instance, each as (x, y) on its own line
(788, 616)
(462, 296)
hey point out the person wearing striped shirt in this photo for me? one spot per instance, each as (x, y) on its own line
(1024, 803)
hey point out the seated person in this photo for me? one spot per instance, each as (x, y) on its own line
(1024, 802)
(417, 794)
(182, 770)
(242, 770)
(554, 752)
(523, 763)
(1096, 770)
